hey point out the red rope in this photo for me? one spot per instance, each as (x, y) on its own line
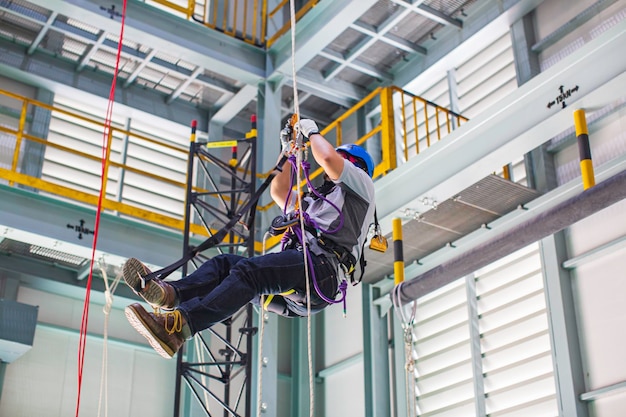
(105, 147)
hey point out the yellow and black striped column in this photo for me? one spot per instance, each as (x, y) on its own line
(398, 256)
(584, 151)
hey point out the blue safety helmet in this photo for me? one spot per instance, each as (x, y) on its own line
(364, 159)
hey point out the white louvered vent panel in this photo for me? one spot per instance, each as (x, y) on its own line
(68, 129)
(486, 78)
(84, 174)
(437, 92)
(486, 102)
(503, 356)
(498, 54)
(443, 366)
(147, 199)
(67, 174)
(517, 370)
(156, 162)
(481, 81)
(451, 400)
(515, 343)
(172, 134)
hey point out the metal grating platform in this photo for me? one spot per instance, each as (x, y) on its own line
(478, 205)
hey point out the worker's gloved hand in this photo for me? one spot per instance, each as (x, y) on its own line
(308, 127)
(285, 137)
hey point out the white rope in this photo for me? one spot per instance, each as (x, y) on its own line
(409, 366)
(260, 359)
(260, 353)
(399, 308)
(296, 109)
(296, 103)
(108, 296)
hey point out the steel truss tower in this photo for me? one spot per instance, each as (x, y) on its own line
(214, 369)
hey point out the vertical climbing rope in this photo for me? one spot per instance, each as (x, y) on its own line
(296, 125)
(108, 296)
(299, 157)
(407, 321)
(105, 146)
(409, 365)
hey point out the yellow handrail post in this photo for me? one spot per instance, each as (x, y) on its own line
(18, 139)
(214, 15)
(339, 134)
(107, 161)
(437, 121)
(584, 151)
(426, 125)
(264, 18)
(416, 126)
(405, 139)
(388, 135)
(398, 255)
(191, 5)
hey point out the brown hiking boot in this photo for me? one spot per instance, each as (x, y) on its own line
(165, 332)
(157, 293)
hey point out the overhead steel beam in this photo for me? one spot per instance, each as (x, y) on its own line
(364, 45)
(237, 103)
(179, 90)
(352, 62)
(595, 77)
(395, 41)
(93, 48)
(42, 33)
(335, 91)
(316, 30)
(144, 62)
(101, 41)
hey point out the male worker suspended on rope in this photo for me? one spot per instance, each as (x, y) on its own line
(336, 219)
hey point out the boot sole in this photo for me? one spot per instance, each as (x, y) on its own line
(134, 317)
(133, 269)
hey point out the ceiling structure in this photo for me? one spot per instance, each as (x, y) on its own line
(345, 48)
(180, 70)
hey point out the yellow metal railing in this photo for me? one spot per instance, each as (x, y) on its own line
(91, 161)
(422, 121)
(398, 120)
(247, 20)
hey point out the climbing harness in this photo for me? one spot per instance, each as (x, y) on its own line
(297, 236)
